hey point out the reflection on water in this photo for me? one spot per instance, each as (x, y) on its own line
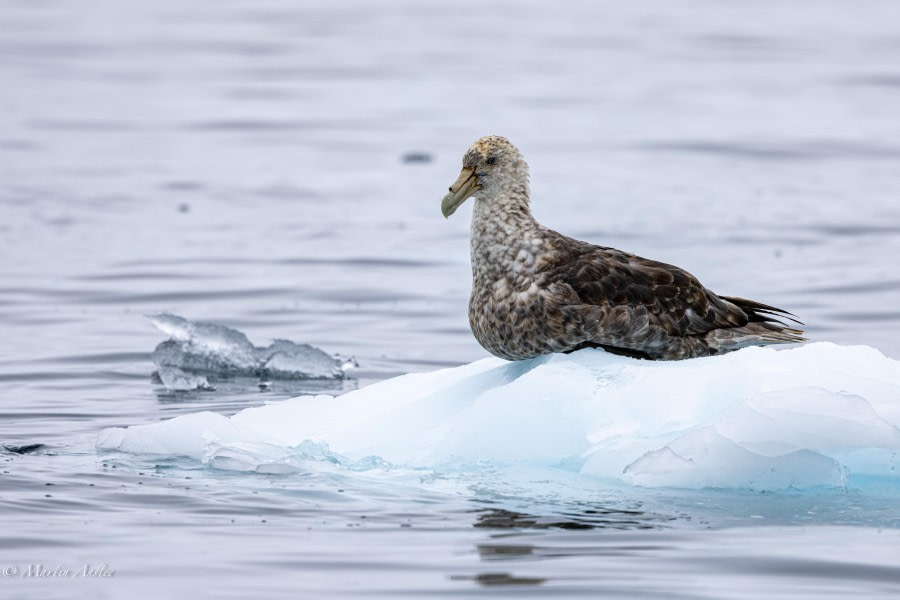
(489, 579)
(240, 390)
(584, 518)
(26, 449)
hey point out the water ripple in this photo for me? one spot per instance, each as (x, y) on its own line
(812, 150)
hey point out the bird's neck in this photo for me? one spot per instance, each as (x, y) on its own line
(502, 228)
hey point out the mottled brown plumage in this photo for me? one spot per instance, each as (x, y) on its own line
(536, 291)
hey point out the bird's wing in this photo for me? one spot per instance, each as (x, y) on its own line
(674, 299)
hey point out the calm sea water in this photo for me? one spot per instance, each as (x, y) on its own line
(277, 167)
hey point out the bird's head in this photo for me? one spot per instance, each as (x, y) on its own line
(490, 165)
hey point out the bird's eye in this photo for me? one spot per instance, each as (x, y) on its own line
(491, 160)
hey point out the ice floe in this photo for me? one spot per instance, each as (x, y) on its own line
(815, 415)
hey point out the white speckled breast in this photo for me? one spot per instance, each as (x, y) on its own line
(508, 305)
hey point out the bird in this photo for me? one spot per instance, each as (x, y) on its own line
(536, 291)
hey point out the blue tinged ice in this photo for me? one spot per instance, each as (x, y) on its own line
(196, 351)
(816, 415)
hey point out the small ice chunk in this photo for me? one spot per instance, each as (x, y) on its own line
(202, 346)
(197, 351)
(347, 363)
(287, 360)
(177, 380)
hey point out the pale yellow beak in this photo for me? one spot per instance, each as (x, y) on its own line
(462, 188)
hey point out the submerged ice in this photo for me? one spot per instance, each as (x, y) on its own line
(816, 415)
(196, 352)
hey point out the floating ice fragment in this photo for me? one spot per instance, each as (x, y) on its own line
(286, 360)
(177, 380)
(196, 351)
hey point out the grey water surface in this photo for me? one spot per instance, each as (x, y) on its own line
(277, 167)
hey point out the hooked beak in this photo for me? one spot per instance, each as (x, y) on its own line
(462, 188)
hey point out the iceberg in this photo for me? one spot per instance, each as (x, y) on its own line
(819, 415)
(196, 352)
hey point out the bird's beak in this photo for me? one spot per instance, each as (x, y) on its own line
(462, 188)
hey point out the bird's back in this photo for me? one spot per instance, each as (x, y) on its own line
(581, 295)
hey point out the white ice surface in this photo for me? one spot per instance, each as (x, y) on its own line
(816, 415)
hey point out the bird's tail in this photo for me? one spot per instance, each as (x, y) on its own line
(765, 327)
